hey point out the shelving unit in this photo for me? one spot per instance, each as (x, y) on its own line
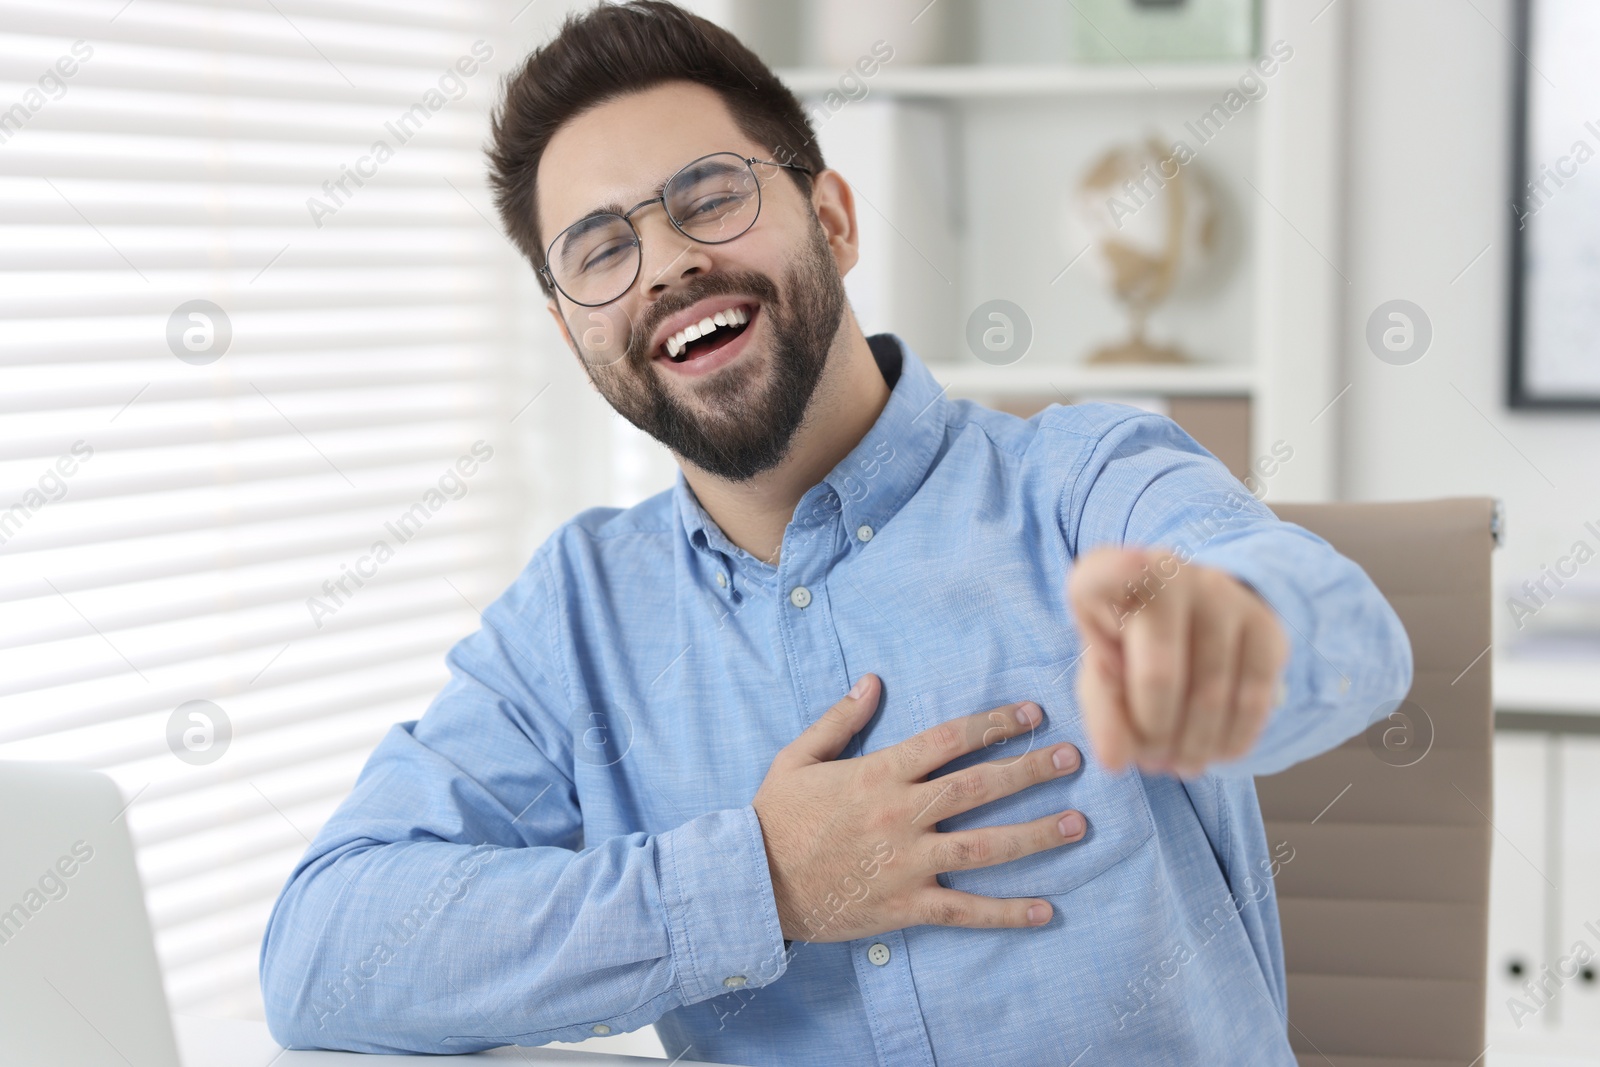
(961, 170)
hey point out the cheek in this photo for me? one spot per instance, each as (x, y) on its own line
(765, 250)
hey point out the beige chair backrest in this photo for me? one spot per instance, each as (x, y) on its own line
(1385, 903)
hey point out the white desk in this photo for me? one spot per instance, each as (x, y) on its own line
(239, 1043)
(234, 1043)
(1549, 686)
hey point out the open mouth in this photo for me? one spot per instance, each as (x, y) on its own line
(708, 335)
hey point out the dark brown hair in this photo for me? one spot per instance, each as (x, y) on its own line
(616, 49)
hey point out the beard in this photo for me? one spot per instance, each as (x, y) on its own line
(738, 429)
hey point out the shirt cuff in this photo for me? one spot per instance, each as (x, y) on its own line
(1302, 680)
(722, 917)
(1350, 657)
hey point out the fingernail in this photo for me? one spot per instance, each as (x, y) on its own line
(1071, 824)
(1028, 714)
(859, 690)
(1064, 759)
(1038, 913)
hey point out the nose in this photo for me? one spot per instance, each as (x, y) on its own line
(667, 254)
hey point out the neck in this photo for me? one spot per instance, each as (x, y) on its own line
(850, 395)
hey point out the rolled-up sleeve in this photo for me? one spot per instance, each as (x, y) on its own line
(1143, 481)
(451, 903)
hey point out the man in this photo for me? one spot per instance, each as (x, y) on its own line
(898, 731)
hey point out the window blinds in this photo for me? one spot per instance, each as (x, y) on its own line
(256, 454)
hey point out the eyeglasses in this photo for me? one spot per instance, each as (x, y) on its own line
(712, 200)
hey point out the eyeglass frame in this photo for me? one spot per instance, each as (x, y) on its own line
(638, 239)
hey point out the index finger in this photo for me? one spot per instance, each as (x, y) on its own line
(921, 754)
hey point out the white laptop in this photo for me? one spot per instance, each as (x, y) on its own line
(79, 983)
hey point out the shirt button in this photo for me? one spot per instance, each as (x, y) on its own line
(799, 596)
(734, 981)
(863, 533)
(1344, 685)
(878, 954)
(600, 1029)
(722, 579)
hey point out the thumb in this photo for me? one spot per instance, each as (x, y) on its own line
(824, 739)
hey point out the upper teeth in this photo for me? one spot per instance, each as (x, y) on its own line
(734, 316)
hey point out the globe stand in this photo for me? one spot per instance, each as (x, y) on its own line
(1138, 350)
(1135, 350)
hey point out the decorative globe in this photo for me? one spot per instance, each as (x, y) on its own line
(1151, 217)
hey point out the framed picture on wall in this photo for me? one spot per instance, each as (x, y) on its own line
(1555, 277)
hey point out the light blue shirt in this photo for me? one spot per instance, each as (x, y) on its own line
(564, 845)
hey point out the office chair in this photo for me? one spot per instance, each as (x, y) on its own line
(1385, 903)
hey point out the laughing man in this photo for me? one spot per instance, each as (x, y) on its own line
(897, 731)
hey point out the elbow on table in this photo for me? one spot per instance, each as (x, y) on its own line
(310, 1001)
(289, 966)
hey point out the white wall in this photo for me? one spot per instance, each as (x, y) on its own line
(1429, 188)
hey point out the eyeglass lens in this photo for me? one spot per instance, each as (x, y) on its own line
(711, 200)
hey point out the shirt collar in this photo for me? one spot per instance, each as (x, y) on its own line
(869, 485)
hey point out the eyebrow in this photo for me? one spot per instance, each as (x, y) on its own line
(577, 230)
(616, 208)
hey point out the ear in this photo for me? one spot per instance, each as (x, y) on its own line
(835, 206)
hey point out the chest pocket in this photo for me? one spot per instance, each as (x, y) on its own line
(1115, 806)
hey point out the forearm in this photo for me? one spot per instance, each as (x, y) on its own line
(438, 947)
(1350, 660)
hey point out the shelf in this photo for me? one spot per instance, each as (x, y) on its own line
(976, 80)
(1076, 380)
